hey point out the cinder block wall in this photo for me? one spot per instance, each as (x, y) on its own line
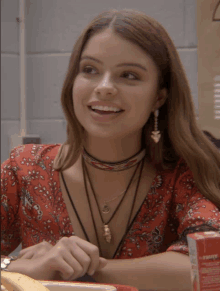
(52, 27)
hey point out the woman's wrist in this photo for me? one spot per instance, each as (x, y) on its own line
(11, 267)
(22, 266)
(19, 266)
(6, 262)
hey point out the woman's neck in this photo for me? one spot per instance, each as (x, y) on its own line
(112, 151)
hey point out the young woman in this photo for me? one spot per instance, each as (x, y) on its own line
(134, 177)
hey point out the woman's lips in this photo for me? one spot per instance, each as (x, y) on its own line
(104, 116)
(104, 112)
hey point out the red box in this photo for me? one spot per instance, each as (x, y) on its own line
(204, 253)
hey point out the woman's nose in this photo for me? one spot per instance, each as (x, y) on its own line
(106, 86)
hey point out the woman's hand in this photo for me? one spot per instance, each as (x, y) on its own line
(35, 251)
(71, 257)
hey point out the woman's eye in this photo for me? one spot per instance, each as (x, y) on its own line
(128, 75)
(131, 74)
(87, 69)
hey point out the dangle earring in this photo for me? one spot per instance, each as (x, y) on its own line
(156, 133)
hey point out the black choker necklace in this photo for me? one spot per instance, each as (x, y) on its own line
(115, 167)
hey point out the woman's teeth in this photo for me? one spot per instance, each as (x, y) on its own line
(104, 112)
(106, 108)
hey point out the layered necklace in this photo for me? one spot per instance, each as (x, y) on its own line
(114, 167)
(133, 161)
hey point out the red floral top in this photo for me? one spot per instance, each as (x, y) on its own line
(33, 209)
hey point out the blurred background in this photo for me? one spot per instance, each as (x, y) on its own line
(34, 60)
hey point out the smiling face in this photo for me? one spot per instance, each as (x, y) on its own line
(104, 77)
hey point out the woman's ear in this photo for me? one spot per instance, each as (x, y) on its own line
(161, 99)
(163, 94)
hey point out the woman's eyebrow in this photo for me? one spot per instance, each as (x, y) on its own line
(119, 65)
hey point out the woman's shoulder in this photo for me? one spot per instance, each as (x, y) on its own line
(177, 166)
(174, 171)
(31, 154)
(36, 151)
(182, 165)
(182, 175)
(27, 161)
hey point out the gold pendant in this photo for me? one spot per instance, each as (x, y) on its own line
(107, 233)
(156, 136)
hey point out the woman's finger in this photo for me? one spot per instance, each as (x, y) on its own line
(61, 261)
(83, 260)
(91, 250)
(102, 263)
(79, 267)
(73, 255)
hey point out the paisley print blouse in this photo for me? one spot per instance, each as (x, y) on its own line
(33, 209)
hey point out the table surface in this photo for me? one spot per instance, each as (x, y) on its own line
(118, 286)
(89, 279)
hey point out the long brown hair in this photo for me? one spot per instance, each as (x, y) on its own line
(180, 134)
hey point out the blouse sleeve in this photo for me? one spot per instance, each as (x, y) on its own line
(10, 201)
(191, 211)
